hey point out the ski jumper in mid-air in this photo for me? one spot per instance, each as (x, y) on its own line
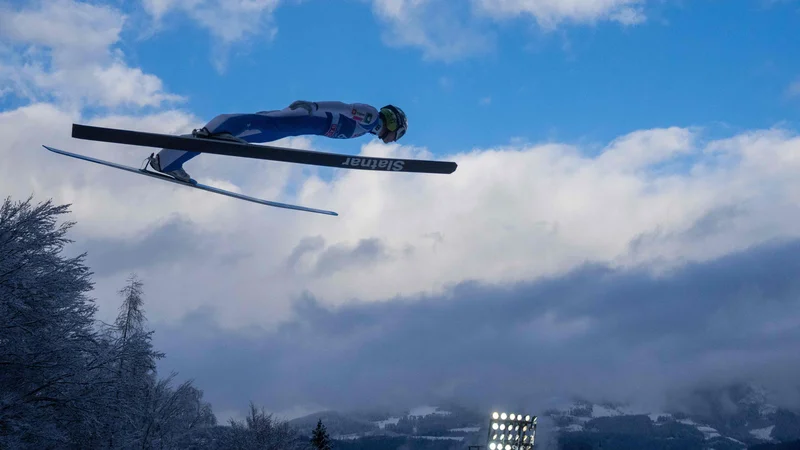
(332, 119)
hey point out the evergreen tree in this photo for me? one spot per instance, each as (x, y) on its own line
(135, 369)
(320, 439)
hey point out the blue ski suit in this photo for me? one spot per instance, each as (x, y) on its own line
(330, 118)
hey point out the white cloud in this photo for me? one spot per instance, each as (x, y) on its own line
(551, 13)
(64, 50)
(448, 31)
(507, 214)
(228, 21)
(443, 30)
(159, 8)
(75, 31)
(644, 148)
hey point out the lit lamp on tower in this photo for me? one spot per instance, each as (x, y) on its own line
(511, 431)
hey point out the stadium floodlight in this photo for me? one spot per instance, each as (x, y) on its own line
(511, 431)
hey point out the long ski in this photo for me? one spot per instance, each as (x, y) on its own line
(257, 151)
(204, 187)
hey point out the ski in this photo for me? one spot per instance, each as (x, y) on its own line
(257, 151)
(193, 185)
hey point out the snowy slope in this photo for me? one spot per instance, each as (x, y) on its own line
(728, 419)
(734, 417)
(427, 422)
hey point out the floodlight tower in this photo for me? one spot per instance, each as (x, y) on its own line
(511, 431)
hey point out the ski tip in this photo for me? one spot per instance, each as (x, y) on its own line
(321, 211)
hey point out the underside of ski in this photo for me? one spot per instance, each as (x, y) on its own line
(258, 151)
(192, 185)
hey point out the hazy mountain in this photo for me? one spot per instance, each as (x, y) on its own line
(735, 417)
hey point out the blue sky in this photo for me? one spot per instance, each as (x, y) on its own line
(587, 241)
(689, 64)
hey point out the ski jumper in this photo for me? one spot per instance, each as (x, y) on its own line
(332, 119)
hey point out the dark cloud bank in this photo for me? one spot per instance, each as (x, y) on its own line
(172, 242)
(596, 332)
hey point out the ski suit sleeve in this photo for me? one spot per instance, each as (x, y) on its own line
(365, 115)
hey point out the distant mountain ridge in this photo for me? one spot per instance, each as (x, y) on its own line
(426, 425)
(736, 417)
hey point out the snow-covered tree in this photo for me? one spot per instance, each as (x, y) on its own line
(64, 381)
(319, 438)
(149, 412)
(68, 382)
(48, 351)
(134, 368)
(177, 418)
(261, 431)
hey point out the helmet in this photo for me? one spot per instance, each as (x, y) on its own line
(394, 119)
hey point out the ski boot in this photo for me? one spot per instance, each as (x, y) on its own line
(179, 174)
(203, 133)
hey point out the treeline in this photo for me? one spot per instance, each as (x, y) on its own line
(69, 381)
(793, 445)
(437, 424)
(404, 443)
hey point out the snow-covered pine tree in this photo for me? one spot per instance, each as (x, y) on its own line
(320, 439)
(134, 369)
(48, 352)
